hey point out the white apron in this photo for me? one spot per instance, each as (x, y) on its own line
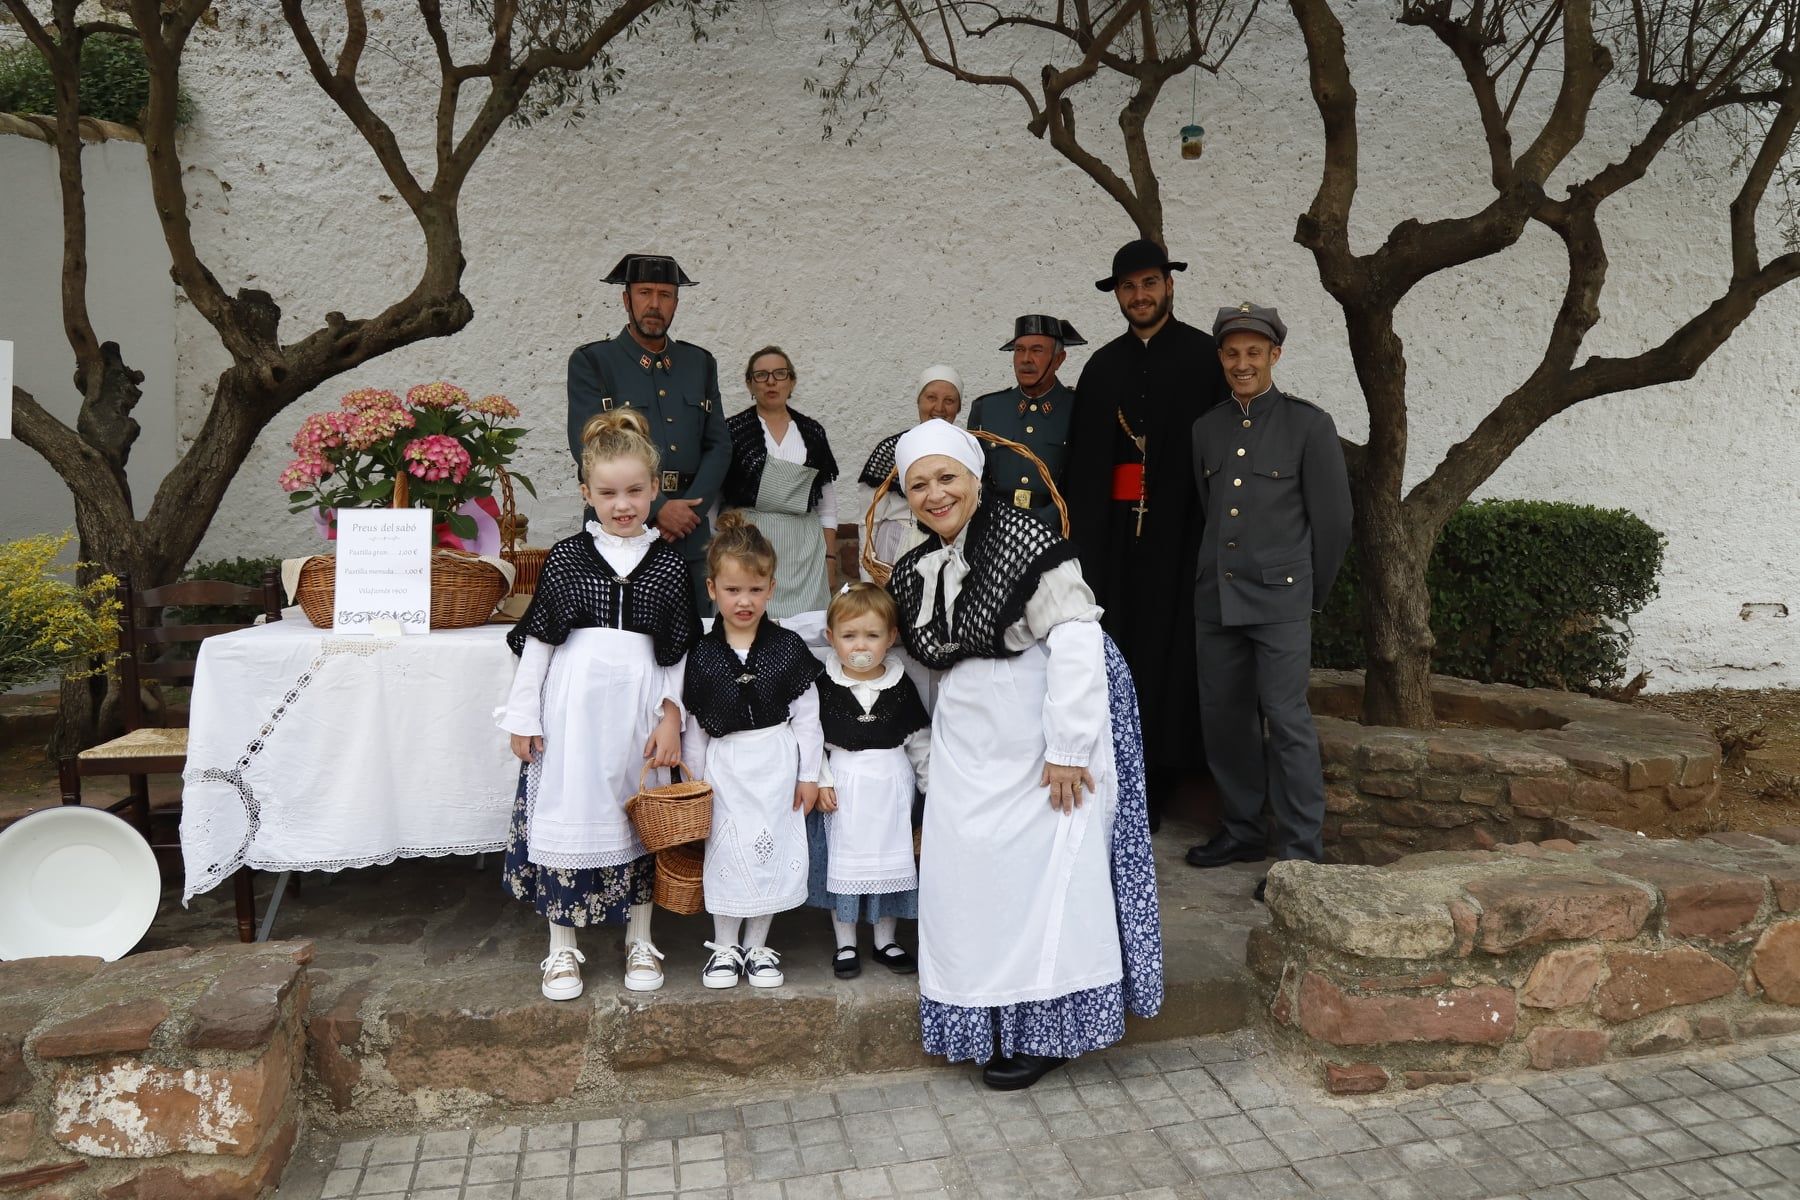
(756, 857)
(868, 840)
(1015, 899)
(593, 750)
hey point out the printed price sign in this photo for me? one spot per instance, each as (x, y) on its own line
(383, 570)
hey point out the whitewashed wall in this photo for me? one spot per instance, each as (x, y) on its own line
(923, 240)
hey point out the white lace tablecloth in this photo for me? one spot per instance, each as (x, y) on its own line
(313, 751)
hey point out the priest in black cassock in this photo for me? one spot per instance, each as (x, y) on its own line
(1133, 508)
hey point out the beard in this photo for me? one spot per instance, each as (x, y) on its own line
(1156, 315)
(637, 325)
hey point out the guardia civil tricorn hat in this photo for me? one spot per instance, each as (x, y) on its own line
(648, 268)
(1140, 255)
(1039, 325)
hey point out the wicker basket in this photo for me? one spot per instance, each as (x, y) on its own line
(527, 561)
(678, 879)
(879, 571)
(671, 815)
(464, 590)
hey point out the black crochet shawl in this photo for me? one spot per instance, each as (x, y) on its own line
(897, 715)
(1008, 550)
(729, 696)
(749, 452)
(881, 462)
(578, 589)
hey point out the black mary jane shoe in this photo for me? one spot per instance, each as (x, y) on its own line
(1019, 1072)
(846, 963)
(896, 960)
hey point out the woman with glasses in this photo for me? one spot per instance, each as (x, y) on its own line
(781, 475)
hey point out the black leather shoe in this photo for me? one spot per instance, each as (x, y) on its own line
(846, 963)
(896, 960)
(1223, 849)
(1018, 1072)
(1262, 890)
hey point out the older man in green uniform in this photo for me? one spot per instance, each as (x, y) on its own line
(1035, 412)
(675, 385)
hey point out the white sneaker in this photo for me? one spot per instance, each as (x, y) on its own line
(643, 967)
(723, 968)
(562, 974)
(762, 968)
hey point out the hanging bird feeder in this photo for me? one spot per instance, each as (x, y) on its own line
(1193, 137)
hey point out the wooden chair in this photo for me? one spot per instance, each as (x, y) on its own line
(145, 750)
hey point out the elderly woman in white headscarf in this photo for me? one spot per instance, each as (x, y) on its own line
(940, 398)
(1037, 898)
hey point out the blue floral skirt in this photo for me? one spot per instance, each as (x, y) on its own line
(569, 895)
(869, 909)
(1071, 1025)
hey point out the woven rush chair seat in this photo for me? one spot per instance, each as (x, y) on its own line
(145, 636)
(141, 743)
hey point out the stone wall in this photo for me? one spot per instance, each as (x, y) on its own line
(1447, 965)
(171, 1075)
(1509, 765)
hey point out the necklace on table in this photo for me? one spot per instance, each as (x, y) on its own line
(1121, 474)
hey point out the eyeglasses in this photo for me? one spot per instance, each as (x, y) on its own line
(778, 375)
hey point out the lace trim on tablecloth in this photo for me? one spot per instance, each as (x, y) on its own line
(216, 873)
(375, 860)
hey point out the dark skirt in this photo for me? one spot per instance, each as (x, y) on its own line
(870, 908)
(568, 895)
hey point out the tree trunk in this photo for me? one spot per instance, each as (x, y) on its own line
(1391, 559)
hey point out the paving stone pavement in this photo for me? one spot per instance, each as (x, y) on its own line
(1212, 1117)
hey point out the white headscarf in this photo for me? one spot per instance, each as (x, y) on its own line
(936, 372)
(937, 437)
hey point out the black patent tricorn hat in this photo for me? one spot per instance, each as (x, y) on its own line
(1140, 255)
(1039, 325)
(648, 268)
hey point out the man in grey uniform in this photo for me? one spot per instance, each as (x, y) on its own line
(676, 386)
(1275, 507)
(1035, 412)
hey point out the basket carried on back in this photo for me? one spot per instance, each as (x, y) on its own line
(673, 814)
(678, 879)
(879, 571)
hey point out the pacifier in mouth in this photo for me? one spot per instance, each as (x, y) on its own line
(862, 660)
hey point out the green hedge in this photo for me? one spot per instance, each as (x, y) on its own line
(1522, 591)
(115, 81)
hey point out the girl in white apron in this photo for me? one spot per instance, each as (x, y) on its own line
(755, 736)
(877, 747)
(781, 474)
(1037, 901)
(597, 695)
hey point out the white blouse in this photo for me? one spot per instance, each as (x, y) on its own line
(523, 713)
(866, 692)
(793, 450)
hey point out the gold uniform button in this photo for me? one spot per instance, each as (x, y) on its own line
(1231, 545)
(1228, 574)
(1246, 424)
(1034, 408)
(1234, 483)
(1234, 512)
(1030, 429)
(672, 446)
(1290, 579)
(1024, 479)
(1240, 452)
(670, 420)
(1274, 474)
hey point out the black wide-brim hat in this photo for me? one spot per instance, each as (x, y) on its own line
(648, 268)
(1039, 325)
(1140, 255)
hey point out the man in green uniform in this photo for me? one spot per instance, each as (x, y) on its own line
(1035, 413)
(675, 385)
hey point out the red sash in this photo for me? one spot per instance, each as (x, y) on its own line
(1128, 481)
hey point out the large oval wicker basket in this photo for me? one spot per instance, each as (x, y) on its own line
(673, 814)
(879, 571)
(464, 590)
(679, 870)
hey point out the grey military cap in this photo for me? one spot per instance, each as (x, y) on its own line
(1251, 318)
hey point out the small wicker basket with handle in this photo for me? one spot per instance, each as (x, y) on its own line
(671, 815)
(679, 871)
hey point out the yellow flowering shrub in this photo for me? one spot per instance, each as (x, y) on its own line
(49, 625)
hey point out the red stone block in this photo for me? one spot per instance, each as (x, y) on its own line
(1641, 982)
(1473, 1016)
(1529, 910)
(1542, 793)
(223, 1181)
(1698, 901)
(1562, 978)
(1775, 962)
(1558, 1049)
(241, 1007)
(1419, 1079)
(1712, 1028)
(1737, 839)
(18, 1129)
(124, 1026)
(1651, 772)
(1668, 1033)
(1357, 1080)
